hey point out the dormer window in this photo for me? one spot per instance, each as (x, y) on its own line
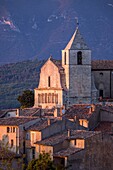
(49, 81)
(79, 58)
(64, 58)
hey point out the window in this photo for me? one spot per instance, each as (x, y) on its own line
(38, 98)
(79, 58)
(14, 129)
(8, 129)
(101, 74)
(49, 82)
(101, 93)
(45, 97)
(52, 97)
(56, 98)
(33, 153)
(65, 58)
(33, 138)
(12, 142)
(49, 98)
(75, 142)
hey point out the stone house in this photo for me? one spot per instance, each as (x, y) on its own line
(12, 132)
(64, 147)
(89, 115)
(44, 129)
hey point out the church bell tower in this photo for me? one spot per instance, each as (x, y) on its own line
(76, 60)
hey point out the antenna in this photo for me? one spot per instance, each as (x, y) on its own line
(77, 23)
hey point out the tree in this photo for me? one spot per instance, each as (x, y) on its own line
(26, 99)
(44, 162)
(8, 159)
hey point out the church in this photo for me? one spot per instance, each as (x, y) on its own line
(76, 79)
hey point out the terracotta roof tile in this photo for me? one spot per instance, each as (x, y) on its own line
(67, 152)
(58, 138)
(30, 111)
(53, 140)
(15, 121)
(83, 134)
(41, 124)
(102, 64)
(80, 110)
(107, 108)
(104, 127)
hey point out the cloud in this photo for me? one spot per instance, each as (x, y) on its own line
(110, 5)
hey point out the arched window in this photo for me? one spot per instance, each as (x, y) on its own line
(43, 98)
(65, 58)
(49, 81)
(8, 129)
(79, 58)
(56, 98)
(49, 98)
(101, 90)
(39, 98)
(52, 97)
(46, 98)
(101, 74)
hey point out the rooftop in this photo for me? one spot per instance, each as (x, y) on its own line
(53, 140)
(83, 111)
(102, 64)
(15, 121)
(67, 152)
(104, 127)
(74, 134)
(41, 124)
(30, 112)
(77, 42)
(83, 134)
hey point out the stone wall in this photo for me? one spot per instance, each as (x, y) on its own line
(102, 81)
(106, 115)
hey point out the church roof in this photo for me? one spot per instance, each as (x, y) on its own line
(102, 64)
(77, 42)
(58, 63)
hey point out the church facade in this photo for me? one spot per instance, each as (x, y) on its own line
(75, 79)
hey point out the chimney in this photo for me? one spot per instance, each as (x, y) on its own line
(69, 133)
(55, 112)
(18, 112)
(48, 122)
(92, 107)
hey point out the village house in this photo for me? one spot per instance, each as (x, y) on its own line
(12, 132)
(44, 129)
(63, 147)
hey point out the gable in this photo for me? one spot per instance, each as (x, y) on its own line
(50, 71)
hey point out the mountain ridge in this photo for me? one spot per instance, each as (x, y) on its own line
(31, 29)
